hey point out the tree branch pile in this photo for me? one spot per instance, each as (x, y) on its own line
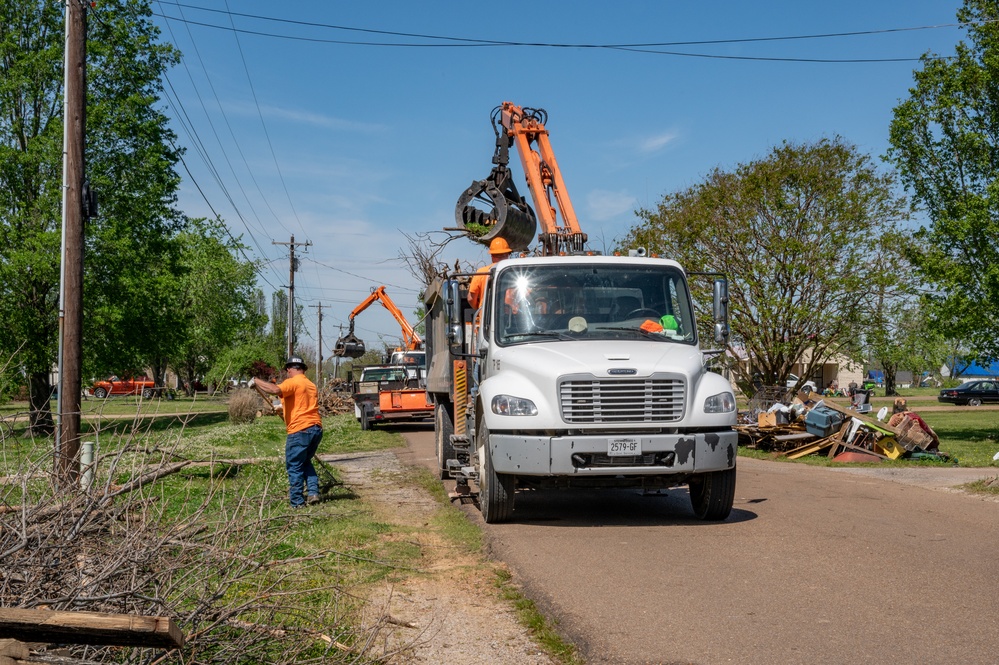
(210, 557)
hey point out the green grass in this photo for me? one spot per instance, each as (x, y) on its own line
(541, 628)
(983, 487)
(969, 434)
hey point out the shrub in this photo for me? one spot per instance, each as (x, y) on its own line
(244, 404)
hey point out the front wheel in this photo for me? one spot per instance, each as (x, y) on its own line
(443, 429)
(974, 401)
(147, 393)
(712, 494)
(495, 489)
(100, 393)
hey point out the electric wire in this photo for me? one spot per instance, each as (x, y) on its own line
(202, 151)
(232, 134)
(270, 144)
(638, 47)
(225, 117)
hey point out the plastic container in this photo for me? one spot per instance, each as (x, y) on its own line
(823, 421)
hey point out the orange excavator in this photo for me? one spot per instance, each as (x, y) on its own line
(351, 346)
(493, 208)
(394, 391)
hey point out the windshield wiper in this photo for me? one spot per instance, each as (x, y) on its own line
(646, 333)
(554, 334)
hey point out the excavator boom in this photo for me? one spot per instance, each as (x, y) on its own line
(352, 347)
(492, 207)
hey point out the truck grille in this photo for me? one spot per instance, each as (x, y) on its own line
(590, 400)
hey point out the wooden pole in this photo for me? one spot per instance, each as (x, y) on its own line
(71, 292)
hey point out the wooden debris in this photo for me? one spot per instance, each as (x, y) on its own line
(14, 649)
(90, 628)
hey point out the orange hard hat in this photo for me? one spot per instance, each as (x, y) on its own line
(499, 246)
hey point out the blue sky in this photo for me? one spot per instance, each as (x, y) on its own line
(290, 130)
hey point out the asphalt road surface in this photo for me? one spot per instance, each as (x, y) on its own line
(814, 565)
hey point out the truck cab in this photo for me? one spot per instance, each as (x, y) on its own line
(582, 371)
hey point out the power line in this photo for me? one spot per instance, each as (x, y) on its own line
(263, 125)
(638, 47)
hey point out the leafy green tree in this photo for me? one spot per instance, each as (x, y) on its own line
(804, 235)
(31, 41)
(217, 297)
(944, 140)
(900, 337)
(130, 162)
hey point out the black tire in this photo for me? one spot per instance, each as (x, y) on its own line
(365, 422)
(100, 393)
(443, 429)
(712, 494)
(974, 401)
(495, 489)
(147, 393)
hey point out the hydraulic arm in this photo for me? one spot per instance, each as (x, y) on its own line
(493, 207)
(353, 347)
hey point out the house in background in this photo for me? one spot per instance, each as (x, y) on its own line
(975, 371)
(839, 369)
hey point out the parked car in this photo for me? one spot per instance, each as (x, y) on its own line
(140, 385)
(972, 393)
(792, 381)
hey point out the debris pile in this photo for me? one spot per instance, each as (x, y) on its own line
(336, 398)
(811, 425)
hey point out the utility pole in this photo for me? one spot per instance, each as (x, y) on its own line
(319, 352)
(292, 267)
(67, 470)
(336, 363)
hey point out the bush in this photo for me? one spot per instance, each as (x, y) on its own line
(244, 405)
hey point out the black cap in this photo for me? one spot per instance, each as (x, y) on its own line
(295, 361)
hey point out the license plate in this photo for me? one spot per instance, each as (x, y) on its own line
(624, 447)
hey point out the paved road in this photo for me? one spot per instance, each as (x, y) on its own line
(815, 565)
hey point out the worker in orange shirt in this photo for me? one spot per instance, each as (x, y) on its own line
(299, 399)
(499, 249)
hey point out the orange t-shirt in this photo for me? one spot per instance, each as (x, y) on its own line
(300, 400)
(477, 286)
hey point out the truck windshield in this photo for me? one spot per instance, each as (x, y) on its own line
(592, 302)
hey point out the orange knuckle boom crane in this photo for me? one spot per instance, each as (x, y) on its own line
(391, 392)
(494, 205)
(352, 347)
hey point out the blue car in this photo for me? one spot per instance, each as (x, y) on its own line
(972, 393)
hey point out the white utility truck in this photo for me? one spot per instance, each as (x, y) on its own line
(577, 370)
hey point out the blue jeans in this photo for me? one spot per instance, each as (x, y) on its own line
(298, 451)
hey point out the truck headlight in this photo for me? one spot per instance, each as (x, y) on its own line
(508, 405)
(720, 403)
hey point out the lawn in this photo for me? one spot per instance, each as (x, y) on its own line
(214, 545)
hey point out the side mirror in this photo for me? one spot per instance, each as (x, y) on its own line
(721, 300)
(721, 311)
(453, 314)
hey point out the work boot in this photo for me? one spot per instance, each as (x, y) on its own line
(312, 498)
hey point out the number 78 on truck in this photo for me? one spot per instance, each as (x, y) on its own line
(576, 370)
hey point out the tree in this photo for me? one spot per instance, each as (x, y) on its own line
(944, 140)
(804, 236)
(216, 295)
(902, 338)
(130, 162)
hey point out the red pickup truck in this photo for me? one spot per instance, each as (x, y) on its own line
(140, 385)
